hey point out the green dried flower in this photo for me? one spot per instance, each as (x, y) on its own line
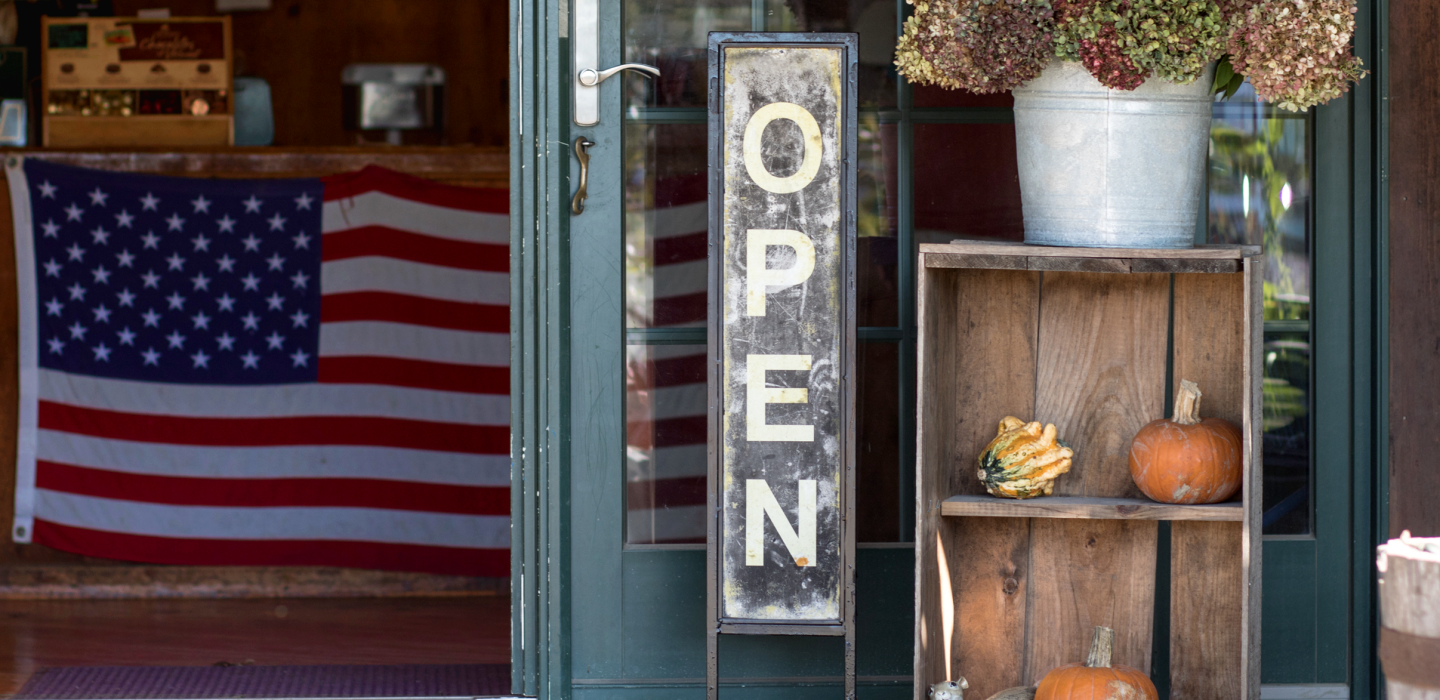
(981, 45)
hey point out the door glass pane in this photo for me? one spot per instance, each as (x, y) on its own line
(665, 225)
(671, 35)
(877, 452)
(665, 444)
(967, 183)
(873, 20)
(1260, 193)
(877, 224)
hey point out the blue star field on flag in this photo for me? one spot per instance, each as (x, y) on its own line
(189, 281)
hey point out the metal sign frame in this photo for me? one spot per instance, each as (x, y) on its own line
(843, 173)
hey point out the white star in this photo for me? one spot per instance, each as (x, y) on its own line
(226, 302)
(102, 275)
(151, 279)
(201, 204)
(151, 318)
(251, 321)
(275, 340)
(76, 292)
(299, 356)
(102, 314)
(176, 301)
(226, 341)
(252, 205)
(148, 201)
(302, 241)
(77, 331)
(201, 242)
(151, 357)
(127, 336)
(75, 251)
(100, 235)
(47, 190)
(102, 353)
(202, 283)
(303, 201)
(202, 322)
(276, 262)
(123, 219)
(72, 212)
(52, 229)
(176, 262)
(52, 268)
(277, 222)
(275, 301)
(251, 243)
(57, 345)
(53, 307)
(98, 198)
(226, 263)
(126, 297)
(151, 240)
(251, 360)
(201, 359)
(251, 282)
(125, 258)
(227, 224)
(299, 317)
(176, 223)
(300, 279)
(176, 340)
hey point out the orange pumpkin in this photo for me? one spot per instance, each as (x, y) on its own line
(1185, 459)
(1096, 679)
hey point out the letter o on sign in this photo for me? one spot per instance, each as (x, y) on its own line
(810, 133)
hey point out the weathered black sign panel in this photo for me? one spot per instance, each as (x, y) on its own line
(782, 181)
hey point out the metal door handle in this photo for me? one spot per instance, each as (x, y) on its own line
(577, 203)
(589, 78)
(585, 52)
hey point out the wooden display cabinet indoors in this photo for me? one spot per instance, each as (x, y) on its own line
(1007, 590)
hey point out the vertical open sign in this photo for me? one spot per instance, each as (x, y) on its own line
(781, 336)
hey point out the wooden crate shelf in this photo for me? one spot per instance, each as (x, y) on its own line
(1087, 508)
(1007, 590)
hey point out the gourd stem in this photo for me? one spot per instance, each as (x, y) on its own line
(1102, 645)
(1187, 403)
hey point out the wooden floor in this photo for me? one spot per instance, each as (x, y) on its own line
(443, 630)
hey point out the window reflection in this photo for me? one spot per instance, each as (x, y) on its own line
(1260, 194)
(665, 443)
(671, 35)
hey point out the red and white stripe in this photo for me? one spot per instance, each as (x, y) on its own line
(666, 399)
(397, 458)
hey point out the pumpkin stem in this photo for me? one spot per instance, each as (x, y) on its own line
(1187, 403)
(1102, 645)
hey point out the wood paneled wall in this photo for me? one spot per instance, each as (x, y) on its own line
(58, 571)
(1414, 267)
(301, 46)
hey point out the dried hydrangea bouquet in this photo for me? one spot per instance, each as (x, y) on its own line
(1112, 97)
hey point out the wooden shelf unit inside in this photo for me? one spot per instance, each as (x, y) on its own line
(1007, 590)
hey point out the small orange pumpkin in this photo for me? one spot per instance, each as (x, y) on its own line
(1096, 679)
(1185, 459)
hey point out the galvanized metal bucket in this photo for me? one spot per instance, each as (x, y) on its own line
(1111, 168)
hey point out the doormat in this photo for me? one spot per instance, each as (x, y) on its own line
(173, 682)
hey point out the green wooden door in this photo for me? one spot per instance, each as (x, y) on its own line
(609, 374)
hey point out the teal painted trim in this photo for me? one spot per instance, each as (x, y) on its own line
(665, 115)
(961, 115)
(1332, 389)
(909, 251)
(1287, 326)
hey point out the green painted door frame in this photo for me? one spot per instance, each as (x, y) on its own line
(567, 392)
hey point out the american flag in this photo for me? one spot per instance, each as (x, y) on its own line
(263, 372)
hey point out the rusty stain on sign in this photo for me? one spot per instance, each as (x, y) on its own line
(782, 314)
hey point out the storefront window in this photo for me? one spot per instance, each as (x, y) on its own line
(1260, 184)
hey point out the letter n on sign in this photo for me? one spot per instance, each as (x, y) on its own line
(782, 333)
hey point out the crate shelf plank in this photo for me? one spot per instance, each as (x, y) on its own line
(1007, 590)
(1082, 507)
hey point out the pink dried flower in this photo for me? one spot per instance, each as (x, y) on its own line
(1296, 53)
